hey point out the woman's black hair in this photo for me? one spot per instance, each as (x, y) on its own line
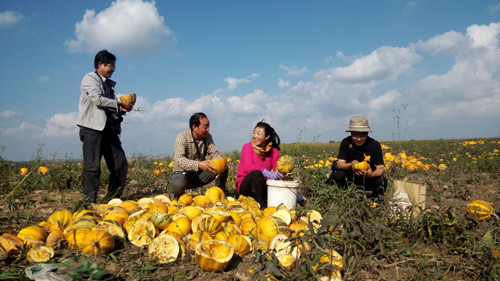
(195, 119)
(269, 131)
(105, 57)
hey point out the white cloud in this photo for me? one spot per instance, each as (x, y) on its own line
(447, 43)
(127, 25)
(9, 18)
(9, 114)
(61, 125)
(485, 36)
(484, 107)
(452, 42)
(474, 77)
(283, 83)
(43, 78)
(251, 103)
(372, 85)
(25, 129)
(293, 70)
(385, 63)
(386, 100)
(232, 82)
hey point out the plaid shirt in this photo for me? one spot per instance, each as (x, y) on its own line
(185, 155)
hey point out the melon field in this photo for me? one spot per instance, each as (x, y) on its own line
(334, 234)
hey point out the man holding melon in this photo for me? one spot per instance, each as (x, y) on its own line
(192, 150)
(360, 160)
(99, 118)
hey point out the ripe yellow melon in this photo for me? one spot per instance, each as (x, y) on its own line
(220, 164)
(130, 98)
(164, 249)
(214, 255)
(286, 164)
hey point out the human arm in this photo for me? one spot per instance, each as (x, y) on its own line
(373, 150)
(205, 166)
(184, 154)
(125, 106)
(376, 160)
(93, 91)
(275, 157)
(249, 160)
(273, 175)
(379, 170)
(212, 153)
(343, 163)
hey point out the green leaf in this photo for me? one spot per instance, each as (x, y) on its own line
(148, 267)
(488, 238)
(274, 269)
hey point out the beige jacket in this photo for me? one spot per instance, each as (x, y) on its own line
(93, 103)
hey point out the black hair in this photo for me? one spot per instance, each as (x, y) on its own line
(195, 119)
(105, 57)
(269, 131)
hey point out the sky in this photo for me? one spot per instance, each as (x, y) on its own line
(421, 69)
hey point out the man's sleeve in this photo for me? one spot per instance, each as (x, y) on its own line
(343, 150)
(181, 162)
(212, 150)
(246, 160)
(92, 89)
(377, 159)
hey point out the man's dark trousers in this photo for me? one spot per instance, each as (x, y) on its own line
(97, 144)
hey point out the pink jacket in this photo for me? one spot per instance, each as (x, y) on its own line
(250, 161)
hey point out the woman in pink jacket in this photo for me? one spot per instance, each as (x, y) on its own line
(259, 158)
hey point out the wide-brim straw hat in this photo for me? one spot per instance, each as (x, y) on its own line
(358, 123)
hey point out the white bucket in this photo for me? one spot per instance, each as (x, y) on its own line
(279, 191)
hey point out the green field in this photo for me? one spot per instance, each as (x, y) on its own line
(443, 242)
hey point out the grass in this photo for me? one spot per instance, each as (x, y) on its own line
(442, 243)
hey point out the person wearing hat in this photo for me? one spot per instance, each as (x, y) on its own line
(353, 150)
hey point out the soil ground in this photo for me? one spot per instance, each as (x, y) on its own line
(133, 261)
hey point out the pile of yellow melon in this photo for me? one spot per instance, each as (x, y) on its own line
(213, 226)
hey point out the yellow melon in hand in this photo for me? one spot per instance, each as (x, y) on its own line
(220, 164)
(130, 98)
(285, 165)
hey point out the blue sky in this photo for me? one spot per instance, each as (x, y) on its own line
(304, 67)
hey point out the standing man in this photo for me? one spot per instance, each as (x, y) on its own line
(353, 150)
(99, 118)
(192, 148)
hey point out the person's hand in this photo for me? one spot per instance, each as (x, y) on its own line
(126, 106)
(205, 166)
(273, 175)
(354, 162)
(366, 174)
(369, 173)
